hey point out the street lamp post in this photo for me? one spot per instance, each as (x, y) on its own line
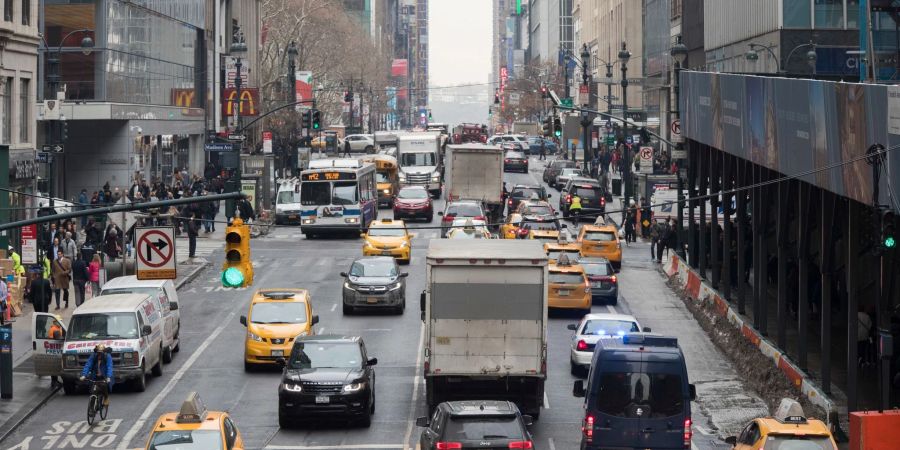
(586, 119)
(811, 56)
(238, 47)
(624, 56)
(679, 53)
(292, 53)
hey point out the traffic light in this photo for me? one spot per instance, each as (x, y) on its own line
(557, 127)
(316, 119)
(63, 131)
(429, 116)
(543, 91)
(237, 270)
(888, 235)
(548, 126)
(306, 119)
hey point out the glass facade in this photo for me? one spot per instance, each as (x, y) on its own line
(6, 102)
(797, 14)
(829, 13)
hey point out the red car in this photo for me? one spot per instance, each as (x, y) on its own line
(413, 202)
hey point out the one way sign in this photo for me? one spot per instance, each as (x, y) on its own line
(155, 247)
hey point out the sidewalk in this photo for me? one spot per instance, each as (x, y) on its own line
(30, 392)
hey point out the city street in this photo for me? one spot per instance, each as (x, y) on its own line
(210, 361)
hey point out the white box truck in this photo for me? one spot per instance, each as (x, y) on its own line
(485, 314)
(475, 172)
(420, 160)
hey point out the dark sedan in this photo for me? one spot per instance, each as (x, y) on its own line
(603, 279)
(413, 202)
(515, 161)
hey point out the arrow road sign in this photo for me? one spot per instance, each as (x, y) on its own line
(155, 253)
(236, 137)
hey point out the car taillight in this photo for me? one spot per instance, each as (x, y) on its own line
(448, 218)
(587, 428)
(521, 444)
(581, 346)
(688, 433)
(505, 160)
(509, 202)
(602, 201)
(614, 279)
(448, 445)
(568, 199)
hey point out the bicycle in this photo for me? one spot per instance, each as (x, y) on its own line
(96, 403)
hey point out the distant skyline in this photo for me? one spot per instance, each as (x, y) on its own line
(459, 53)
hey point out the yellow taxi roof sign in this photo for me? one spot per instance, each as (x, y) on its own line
(387, 220)
(563, 260)
(789, 411)
(192, 410)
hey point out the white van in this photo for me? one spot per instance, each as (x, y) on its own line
(287, 202)
(131, 325)
(163, 291)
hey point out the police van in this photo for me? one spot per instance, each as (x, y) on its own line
(130, 325)
(637, 395)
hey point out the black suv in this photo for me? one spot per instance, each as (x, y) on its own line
(374, 282)
(593, 201)
(488, 424)
(329, 376)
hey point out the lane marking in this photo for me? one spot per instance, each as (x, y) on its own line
(417, 379)
(334, 447)
(546, 401)
(611, 309)
(333, 307)
(321, 331)
(125, 443)
(551, 444)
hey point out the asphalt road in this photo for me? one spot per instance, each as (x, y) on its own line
(210, 361)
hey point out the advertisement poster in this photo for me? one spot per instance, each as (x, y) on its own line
(248, 188)
(29, 244)
(303, 89)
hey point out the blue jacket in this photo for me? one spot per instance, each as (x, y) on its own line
(106, 369)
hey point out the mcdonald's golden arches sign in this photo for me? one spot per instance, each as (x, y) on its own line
(183, 98)
(249, 101)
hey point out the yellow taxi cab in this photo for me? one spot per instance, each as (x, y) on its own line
(601, 241)
(789, 432)
(275, 318)
(568, 286)
(193, 427)
(562, 246)
(388, 237)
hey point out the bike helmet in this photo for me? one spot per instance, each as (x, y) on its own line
(100, 348)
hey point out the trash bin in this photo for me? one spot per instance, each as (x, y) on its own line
(617, 186)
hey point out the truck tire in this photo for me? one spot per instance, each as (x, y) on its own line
(157, 369)
(139, 384)
(167, 354)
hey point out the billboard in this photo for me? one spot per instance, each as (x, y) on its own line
(399, 68)
(303, 88)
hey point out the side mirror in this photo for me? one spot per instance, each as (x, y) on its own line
(549, 196)
(372, 362)
(404, 274)
(422, 302)
(422, 422)
(146, 330)
(343, 274)
(315, 319)
(244, 320)
(572, 326)
(527, 420)
(646, 329)
(693, 391)
(173, 306)
(731, 440)
(578, 389)
(281, 362)
(440, 213)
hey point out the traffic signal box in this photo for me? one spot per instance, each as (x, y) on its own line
(548, 126)
(237, 270)
(316, 118)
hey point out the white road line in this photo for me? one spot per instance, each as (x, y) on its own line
(550, 444)
(151, 407)
(321, 331)
(410, 420)
(334, 447)
(333, 307)
(693, 447)
(611, 309)
(546, 401)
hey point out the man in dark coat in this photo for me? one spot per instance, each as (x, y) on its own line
(40, 292)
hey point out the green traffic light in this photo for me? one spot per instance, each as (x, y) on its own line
(558, 133)
(890, 242)
(232, 277)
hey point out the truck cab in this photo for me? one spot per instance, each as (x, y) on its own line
(419, 155)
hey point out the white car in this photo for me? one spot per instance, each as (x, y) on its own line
(360, 143)
(519, 141)
(591, 329)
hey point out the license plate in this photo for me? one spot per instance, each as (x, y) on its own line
(277, 352)
(564, 292)
(371, 300)
(292, 216)
(323, 399)
(386, 253)
(596, 284)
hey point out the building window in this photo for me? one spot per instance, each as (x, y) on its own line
(852, 14)
(26, 12)
(796, 14)
(6, 104)
(24, 109)
(829, 13)
(7, 10)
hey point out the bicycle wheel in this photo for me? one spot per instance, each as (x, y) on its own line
(92, 409)
(104, 410)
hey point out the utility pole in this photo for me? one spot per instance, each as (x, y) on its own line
(586, 119)
(679, 53)
(624, 56)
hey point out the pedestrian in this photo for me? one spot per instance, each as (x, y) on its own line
(61, 272)
(68, 246)
(672, 237)
(18, 268)
(111, 245)
(193, 229)
(663, 243)
(94, 274)
(40, 292)
(54, 247)
(80, 277)
(346, 148)
(654, 240)
(543, 155)
(575, 208)
(83, 202)
(246, 210)
(630, 235)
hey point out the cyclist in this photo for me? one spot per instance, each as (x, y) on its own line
(575, 207)
(100, 367)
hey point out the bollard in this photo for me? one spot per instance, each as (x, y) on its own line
(6, 362)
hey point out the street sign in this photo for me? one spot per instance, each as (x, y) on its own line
(679, 154)
(44, 157)
(675, 127)
(567, 102)
(237, 137)
(29, 244)
(610, 139)
(54, 148)
(646, 160)
(219, 147)
(583, 89)
(155, 253)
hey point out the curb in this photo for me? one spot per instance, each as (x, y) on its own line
(699, 290)
(5, 430)
(191, 275)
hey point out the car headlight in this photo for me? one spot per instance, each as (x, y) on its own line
(351, 220)
(71, 360)
(347, 285)
(436, 176)
(386, 191)
(291, 387)
(255, 337)
(404, 244)
(309, 221)
(354, 387)
(394, 286)
(402, 176)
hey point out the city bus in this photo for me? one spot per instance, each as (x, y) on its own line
(337, 195)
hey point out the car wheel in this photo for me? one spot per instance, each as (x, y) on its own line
(139, 384)
(370, 149)
(157, 369)
(167, 355)
(400, 308)
(348, 310)
(283, 421)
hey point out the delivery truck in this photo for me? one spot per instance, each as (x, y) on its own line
(475, 172)
(485, 314)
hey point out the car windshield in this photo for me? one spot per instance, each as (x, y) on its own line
(568, 171)
(417, 159)
(186, 440)
(551, 225)
(609, 327)
(85, 327)
(278, 312)
(514, 155)
(522, 193)
(482, 428)
(587, 193)
(596, 269)
(602, 236)
(317, 355)
(315, 193)
(463, 210)
(619, 391)
(791, 442)
(381, 177)
(539, 210)
(387, 231)
(288, 197)
(344, 193)
(373, 268)
(566, 278)
(466, 234)
(554, 254)
(413, 194)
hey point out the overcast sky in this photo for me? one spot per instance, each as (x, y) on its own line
(459, 34)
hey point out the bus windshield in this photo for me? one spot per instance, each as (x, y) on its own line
(315, 193)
